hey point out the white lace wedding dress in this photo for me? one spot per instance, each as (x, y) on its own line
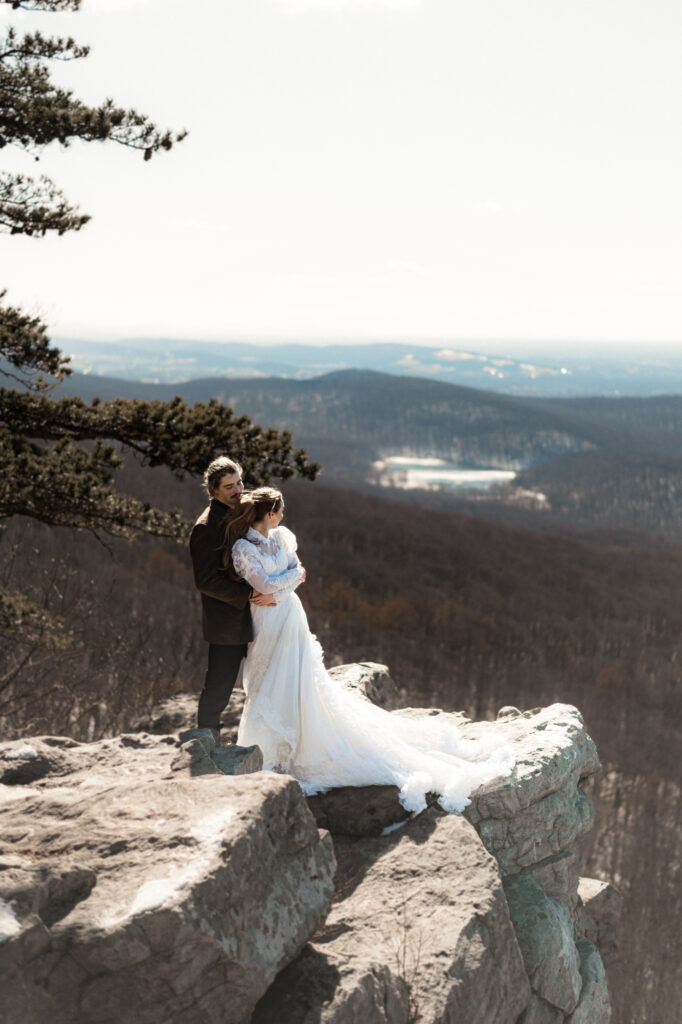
(310, 727)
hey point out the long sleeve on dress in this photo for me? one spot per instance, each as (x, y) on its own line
(248, 565)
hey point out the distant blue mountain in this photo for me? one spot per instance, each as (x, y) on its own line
(568, 375)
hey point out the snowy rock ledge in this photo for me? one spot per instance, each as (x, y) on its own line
(133, 892)
(153, 877)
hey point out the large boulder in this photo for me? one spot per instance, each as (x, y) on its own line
(129, 892)
(419, 930)
(541, 809)
(598, 915)
(545, 932)
(594, 1006)
(370, 680)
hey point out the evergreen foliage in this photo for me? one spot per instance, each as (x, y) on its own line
(58, 457)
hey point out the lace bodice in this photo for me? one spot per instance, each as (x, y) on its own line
(270, 564)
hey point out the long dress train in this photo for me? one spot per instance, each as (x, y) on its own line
(310, 727)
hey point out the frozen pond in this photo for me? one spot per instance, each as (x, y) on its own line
(399, 471)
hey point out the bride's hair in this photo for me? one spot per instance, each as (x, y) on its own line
(253, 508)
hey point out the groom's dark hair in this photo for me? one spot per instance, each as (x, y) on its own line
(220, 467)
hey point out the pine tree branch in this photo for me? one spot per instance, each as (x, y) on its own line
(44, 5)
(25, 347)
(34, 112)
(69, 486)
(35, 46)
(30, 207)
(184, 438)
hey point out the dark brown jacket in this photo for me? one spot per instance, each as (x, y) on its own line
(226, 611)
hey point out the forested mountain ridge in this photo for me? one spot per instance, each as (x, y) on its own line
(653, 423)
(595, 462)
(368, 416)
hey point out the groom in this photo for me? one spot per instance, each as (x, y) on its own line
(225, 602)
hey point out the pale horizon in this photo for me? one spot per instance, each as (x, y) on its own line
(488, 177)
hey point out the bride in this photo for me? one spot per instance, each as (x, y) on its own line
(306, 724)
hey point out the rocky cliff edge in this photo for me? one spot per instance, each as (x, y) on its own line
(154, 878)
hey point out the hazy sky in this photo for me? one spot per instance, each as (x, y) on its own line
(371, 168)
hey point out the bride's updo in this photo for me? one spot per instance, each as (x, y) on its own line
(253, 507)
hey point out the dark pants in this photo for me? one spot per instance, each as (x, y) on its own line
(223, 668)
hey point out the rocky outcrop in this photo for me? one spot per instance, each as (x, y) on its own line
(133, 757)
(598, 915)
(158, 877)
(532, 823)
(370, 680)
(132, 891)
(419, 930)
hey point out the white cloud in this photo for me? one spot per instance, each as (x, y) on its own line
(408, 360)
(452, 356)
(303, 6)
(487, 207)
(202, 225)
(404, 266)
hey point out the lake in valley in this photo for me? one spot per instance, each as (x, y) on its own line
(408, 472)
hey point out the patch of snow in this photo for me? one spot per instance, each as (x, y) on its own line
(452, 355)
(9, 925)
(210, 829)
(208, 834)
(157, 891)
(24, 753)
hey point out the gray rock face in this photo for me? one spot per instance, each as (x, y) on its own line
(533, 823)
(370, 680)
(545, 933)
(593, 1006)
(199, 755)
(419, 930)
(541, 810)
(598, 915)
(540, 1012)
(129, 892)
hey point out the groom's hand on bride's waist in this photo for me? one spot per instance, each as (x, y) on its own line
(263, 600)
